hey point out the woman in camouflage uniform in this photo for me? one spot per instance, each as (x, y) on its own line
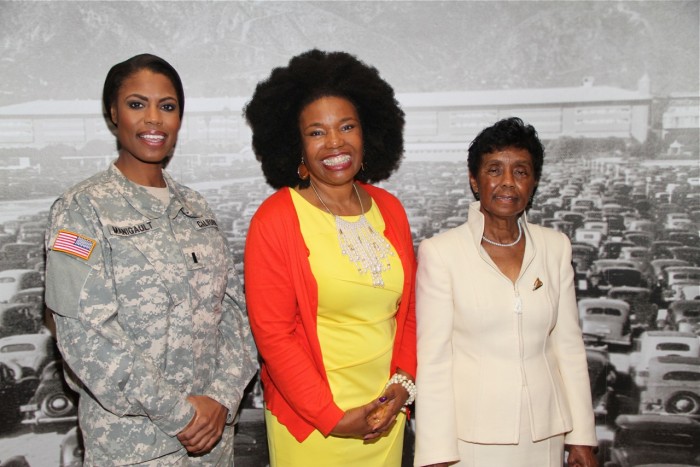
(150, 315)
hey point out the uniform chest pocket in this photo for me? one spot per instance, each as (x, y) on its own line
(147, 258)
(136, 250)
(149, 276)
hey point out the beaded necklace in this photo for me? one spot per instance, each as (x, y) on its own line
(363, 246)
(513, 243)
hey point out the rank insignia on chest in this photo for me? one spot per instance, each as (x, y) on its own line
(74, 244)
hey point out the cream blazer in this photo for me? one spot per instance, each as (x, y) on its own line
(482, 338)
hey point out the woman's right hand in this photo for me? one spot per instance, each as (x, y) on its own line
(354, 422)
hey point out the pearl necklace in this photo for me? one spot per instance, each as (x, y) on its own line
(520, 236)
(363, 246)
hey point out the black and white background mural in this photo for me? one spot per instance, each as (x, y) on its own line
(613, 88)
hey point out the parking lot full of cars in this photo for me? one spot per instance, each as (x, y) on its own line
(636, 256)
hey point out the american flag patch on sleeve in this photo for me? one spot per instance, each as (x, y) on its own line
(74, 244)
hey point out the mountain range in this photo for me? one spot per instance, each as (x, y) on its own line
(62, 50)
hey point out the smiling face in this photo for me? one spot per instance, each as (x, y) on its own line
(146, 114)
(331, 138)
(505, 181)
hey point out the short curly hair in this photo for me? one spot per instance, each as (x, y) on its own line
(507, 133)
(273, 114)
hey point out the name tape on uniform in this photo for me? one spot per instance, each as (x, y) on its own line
(204, 223)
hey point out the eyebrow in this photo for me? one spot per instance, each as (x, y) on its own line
(142, 97)
(342, 120)
(529, 165)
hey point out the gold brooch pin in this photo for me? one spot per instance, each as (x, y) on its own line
(538, 284)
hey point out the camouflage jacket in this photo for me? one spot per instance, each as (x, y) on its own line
(148, 310)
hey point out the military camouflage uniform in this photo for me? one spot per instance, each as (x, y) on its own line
(148, 310)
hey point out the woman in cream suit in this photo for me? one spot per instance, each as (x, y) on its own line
(502, 375)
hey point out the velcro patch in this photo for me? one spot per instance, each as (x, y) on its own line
(204, 223)
(74, 244)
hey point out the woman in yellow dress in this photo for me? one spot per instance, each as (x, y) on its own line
(329, 265)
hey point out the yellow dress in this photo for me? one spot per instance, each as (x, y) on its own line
(356, 327)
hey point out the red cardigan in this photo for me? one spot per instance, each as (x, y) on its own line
(282, 300)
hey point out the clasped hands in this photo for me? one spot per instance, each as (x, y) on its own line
(371, 420)
(206, 427)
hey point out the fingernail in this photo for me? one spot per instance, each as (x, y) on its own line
(382, 399)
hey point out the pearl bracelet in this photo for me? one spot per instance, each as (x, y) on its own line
(407, 384)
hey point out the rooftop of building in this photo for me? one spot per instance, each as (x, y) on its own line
(586, 94)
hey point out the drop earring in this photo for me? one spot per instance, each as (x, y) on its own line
(302, 170)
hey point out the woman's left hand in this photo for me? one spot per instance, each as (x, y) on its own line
(206, 427)
(581, 456)
(381, 418)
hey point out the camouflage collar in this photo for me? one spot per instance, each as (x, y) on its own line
(147, 204)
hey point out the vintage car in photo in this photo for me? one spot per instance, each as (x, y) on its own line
(585, 204)
(643, 225)
(607, 318)
(606, 273)
(685, 290)
(684, 237)
(690, 254)
(29, 351)
(616, 224)
(583, 255)
(653, 344)
(610, 249)
(16, 255)
(659, 249)
(679, 224)
(601, 372)
(32, 295)
(19, 318)
(594, 215)
(15, 389)
(654, 439)
(30, 304)
(659, 265)
(560, 225)
(608, 402)
(14, 280)
(683, 315)
(53, 402)
(589, 236)
(671, 216)
(637, 253)
(644, 239)
(71, 449)
(601, 226)
(673, 386)
(672, 276)
(643, 312)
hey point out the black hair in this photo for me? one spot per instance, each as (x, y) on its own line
(273, 114)
(121, 71)
(507, 133)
